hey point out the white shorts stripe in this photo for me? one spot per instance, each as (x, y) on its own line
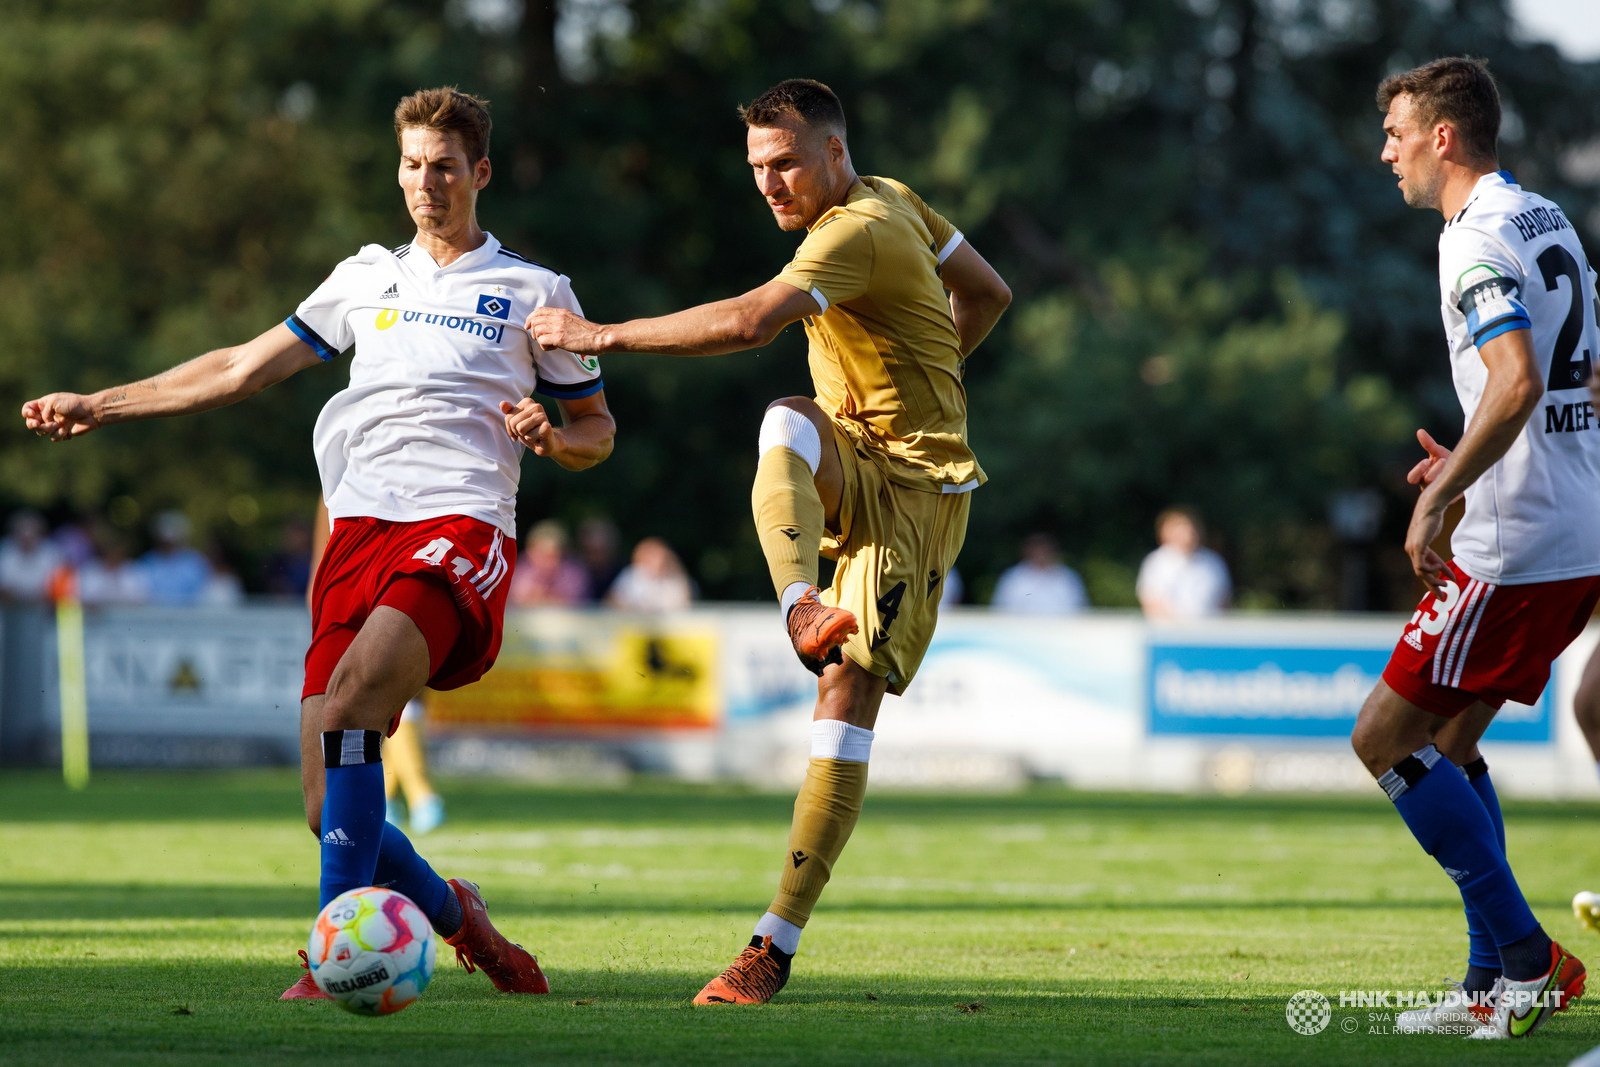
(1444, 635)
(1457, 631)
(1461, 664)
(496, 567)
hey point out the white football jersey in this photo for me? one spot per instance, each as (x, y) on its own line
(1510, 260)
(419, 434)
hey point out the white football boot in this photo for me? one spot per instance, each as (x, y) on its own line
(1452, 1015)
(1520, 1007)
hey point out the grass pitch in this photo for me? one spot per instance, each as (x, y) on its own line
(154, 919)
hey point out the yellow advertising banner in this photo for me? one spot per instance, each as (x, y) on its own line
(587, 670)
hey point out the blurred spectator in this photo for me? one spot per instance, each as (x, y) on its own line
(654, 581)
(75, 544)
(1182, 579)
(111, 577)
(954, 589)
(223, 589)
(176, 574)
(288, 571)
(597, 549)
(545, 575)
(1041, 584)
(27, 558)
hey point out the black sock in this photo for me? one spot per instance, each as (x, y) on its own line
(1526, 959)
(449, 919)
(1479, 979)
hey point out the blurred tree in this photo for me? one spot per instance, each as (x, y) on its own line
(1221, 298)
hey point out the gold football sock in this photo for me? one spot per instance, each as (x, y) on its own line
(824, 814)
(789, 517)
(403, 762)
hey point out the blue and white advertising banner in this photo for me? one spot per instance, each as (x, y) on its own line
(1288, 692)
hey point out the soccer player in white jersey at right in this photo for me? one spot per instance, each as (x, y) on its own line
(1517, 297)
(420, 458)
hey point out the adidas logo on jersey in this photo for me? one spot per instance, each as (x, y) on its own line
(391, 293)
(1414, 639)
(337, 837)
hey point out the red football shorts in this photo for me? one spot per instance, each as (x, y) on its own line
(1485, 642)
(449, 575)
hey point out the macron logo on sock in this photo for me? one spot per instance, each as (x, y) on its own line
(337, 837)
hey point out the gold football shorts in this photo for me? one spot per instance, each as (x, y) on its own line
(893, 547)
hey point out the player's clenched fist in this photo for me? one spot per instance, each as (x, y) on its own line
(556, 327)
(60, 416)
(529, 424)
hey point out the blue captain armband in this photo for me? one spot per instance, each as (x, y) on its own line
(324, 351)
(1489, 301)
(569, 391)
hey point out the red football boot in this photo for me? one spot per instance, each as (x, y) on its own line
(480, 947)
(305, 987)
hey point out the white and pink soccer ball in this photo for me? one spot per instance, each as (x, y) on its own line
(372, 950)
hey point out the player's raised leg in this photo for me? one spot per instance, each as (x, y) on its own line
(825, 813)
(799, 482)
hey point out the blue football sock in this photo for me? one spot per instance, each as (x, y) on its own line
(352, 810)
(1483, 956)
(1451, 824)
(401, 869)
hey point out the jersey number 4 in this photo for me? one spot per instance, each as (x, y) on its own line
(1566, 372)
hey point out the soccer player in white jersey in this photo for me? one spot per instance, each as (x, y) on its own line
(1519, 316)
(419, 460)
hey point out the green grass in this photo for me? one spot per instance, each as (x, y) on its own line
(154, 919)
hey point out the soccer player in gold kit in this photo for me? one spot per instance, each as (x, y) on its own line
(874, 473)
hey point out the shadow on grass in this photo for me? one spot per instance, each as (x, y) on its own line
(207, 1012)
(90, 901)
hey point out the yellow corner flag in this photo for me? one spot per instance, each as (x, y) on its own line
(74, 686)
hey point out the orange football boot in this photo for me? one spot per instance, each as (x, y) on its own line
(817, 631)
(754, 978)
(480, 947)
(305, 987)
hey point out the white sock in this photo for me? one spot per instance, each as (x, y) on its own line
(792, 592)
(783, 427)
(836, 739)
(785, 934)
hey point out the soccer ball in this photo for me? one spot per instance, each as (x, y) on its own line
(372, 950)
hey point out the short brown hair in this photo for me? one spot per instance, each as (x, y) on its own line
(812, 102)
(1458, 90)
(448, 110)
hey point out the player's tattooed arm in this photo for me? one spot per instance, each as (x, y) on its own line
(210, 381)
(978, 295)
(585, 437)
(1509, 398)
(742, 322)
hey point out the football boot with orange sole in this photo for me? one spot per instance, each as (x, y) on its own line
(817, 631)
(754, 978)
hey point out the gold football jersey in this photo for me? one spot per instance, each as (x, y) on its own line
(885, 355)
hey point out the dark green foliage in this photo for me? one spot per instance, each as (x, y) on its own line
(1221, 299)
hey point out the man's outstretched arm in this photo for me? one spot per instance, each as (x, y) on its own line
(747, 321)
(978, 295)
(213, 380)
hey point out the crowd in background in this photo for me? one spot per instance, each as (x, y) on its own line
(1180, 580)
